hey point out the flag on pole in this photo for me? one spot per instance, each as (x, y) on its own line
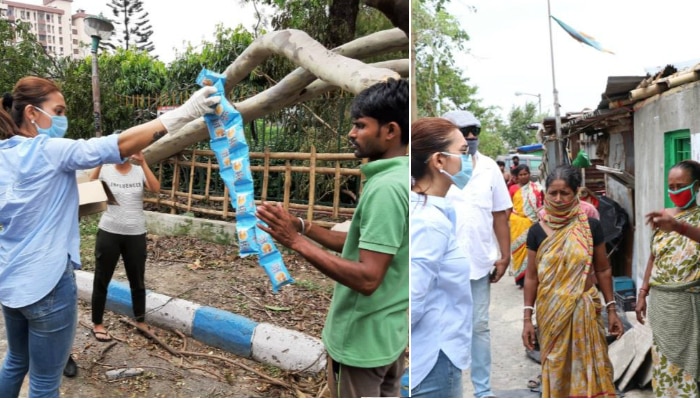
(582, 37)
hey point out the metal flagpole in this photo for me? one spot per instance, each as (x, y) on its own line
(557, 119)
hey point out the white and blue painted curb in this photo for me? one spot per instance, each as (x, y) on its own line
(270, 344)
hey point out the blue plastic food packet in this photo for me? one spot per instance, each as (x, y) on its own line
(245, 230)
(227, 140)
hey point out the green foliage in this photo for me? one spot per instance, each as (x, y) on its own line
(440, 83)
(88, 234)
(133, 72)
(370, 20)
(330, 22)
(135, 26)
(124, 73)
(515, 133)
(216, 56)
(21, 55)
(491, 144)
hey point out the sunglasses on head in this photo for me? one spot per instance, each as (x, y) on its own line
(475, 130)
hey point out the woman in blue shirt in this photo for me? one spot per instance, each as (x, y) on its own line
(441, 302)
(39, 235)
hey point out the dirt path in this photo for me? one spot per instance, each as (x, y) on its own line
(211, 275)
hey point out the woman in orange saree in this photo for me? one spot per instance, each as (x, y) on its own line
(527, 199)
(565, 250)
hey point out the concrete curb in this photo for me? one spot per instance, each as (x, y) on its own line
(266, 343)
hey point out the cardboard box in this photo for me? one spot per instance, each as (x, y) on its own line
(94, 197)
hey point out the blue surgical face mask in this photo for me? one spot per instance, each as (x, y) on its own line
(461, 178)
(58, 128)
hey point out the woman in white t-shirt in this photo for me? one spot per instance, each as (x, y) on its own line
(122, 232)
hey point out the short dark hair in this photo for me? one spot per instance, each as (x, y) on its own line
(570, 175)
(386, 102)
(515, 158)
(501, 163)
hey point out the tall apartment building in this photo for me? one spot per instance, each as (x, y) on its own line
(60, 31)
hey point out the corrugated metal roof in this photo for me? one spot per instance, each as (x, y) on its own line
(618, 89)
(621, 95)
(589, 120)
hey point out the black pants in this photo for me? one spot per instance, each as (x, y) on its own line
(108, 248)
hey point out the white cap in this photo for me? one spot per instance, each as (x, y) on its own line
(462, 118)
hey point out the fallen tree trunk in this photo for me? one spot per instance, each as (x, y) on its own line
(336, 70)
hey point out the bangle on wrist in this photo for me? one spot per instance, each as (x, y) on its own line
(529, 308)
(302, 231)
(644, 290)
(610, 303)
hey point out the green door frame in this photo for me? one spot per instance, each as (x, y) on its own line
(676, 149)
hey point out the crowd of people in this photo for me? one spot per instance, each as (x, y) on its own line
(466, 218)
(366, 331)
(553, 244)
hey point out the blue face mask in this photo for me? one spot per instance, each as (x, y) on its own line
(58, 128)
(473, 145)
(461, 178)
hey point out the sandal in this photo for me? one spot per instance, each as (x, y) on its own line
(534, 383)
(101, 336)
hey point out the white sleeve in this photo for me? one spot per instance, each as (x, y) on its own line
(428, 247)
(501, 197)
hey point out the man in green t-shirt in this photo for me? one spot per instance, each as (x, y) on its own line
(366, 331)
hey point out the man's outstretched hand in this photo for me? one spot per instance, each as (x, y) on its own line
(280, 223)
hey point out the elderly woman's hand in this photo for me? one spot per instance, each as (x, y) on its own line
(661, 220)
(529, 336)
(641, 308)
(615, 327)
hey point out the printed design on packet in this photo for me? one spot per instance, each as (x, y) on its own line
(246, 231)
(266, 244)
(227, 140)
(245, 203)
(232, 139)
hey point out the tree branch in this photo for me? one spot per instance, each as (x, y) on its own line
(296, 86)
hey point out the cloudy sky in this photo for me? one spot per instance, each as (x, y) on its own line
(510, 48)
(177, 22)
(509, 45)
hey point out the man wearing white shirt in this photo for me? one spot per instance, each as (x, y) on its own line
(482, 229)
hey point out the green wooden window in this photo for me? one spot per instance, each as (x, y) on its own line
(676, 149)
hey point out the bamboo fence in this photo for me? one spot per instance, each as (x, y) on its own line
(217, 204)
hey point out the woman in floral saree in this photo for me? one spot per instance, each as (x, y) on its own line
(527, 199)
(565, 250)
(672, 281)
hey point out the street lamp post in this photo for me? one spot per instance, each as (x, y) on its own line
(539, 99)
(98, 28)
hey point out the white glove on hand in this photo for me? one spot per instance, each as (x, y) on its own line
(199, 104)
